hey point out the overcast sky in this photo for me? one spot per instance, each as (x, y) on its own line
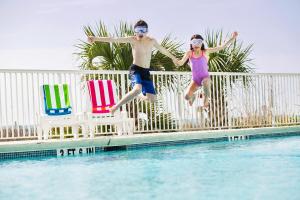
(40, 34)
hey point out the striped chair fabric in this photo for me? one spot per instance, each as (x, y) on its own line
(102, 95)
(57, 99)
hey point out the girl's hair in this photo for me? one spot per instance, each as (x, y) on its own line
(197, 36)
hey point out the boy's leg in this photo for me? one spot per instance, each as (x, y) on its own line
(149, 97)
(189, 96)
(136, 84)
(148, 91)
(206, 89)
(137, 89)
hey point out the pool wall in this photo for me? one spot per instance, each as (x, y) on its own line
(17, 149)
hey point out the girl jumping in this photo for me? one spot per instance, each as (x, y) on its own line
(198, 61)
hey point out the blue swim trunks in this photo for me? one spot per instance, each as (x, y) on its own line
(140, 75)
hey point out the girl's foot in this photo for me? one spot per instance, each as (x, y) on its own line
(191, 100)
(206, 109)
(205, 112)
(206, 103)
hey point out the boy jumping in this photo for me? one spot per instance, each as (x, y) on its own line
(142, 46)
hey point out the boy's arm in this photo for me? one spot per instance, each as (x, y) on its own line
(93, 39)
(216, 49)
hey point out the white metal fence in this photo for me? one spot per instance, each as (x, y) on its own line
(237, 100)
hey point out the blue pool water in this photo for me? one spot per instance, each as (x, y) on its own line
(254, 169)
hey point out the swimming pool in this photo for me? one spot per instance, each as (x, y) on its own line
(252, 169)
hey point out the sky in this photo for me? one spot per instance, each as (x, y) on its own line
(40, 34)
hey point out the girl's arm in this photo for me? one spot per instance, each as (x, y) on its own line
(184, 58)
(216, 49)
(93, 39)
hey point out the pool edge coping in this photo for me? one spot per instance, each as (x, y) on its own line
(34, 148)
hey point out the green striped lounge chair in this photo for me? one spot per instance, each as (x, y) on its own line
(57, 111)
(57, 99)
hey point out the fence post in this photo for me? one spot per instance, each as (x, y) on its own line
(228, 112)
(123, 88)
(180, 103)
(272, 101)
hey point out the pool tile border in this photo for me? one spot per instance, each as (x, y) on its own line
(27, 154)
(179, 142)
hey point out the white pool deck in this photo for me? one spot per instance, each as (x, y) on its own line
(112, 141)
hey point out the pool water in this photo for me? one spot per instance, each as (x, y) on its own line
(253, 169)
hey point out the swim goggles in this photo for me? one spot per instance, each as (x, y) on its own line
(196, 42)
(140, 29)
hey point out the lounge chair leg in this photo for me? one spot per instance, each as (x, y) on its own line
(84, 131)
(46, 131)
(119, 127)
(131, 127)
(126, 127)
(75, 131)
(61, 132)
(39, 133)
(91, 131)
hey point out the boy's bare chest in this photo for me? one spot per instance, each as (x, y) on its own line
(143, 46)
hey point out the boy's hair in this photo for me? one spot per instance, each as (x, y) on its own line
(141, 23)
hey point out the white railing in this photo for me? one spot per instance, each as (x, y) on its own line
(237, 100)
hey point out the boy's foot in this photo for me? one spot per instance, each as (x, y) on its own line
(191, 100)
(113, 110)
(141, 97)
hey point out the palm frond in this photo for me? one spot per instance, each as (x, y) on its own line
(234, 58)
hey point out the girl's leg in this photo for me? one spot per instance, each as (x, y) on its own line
(128, 97)
(189, 96)
(206, 89)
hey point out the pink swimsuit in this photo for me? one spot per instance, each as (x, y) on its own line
(199, 68)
